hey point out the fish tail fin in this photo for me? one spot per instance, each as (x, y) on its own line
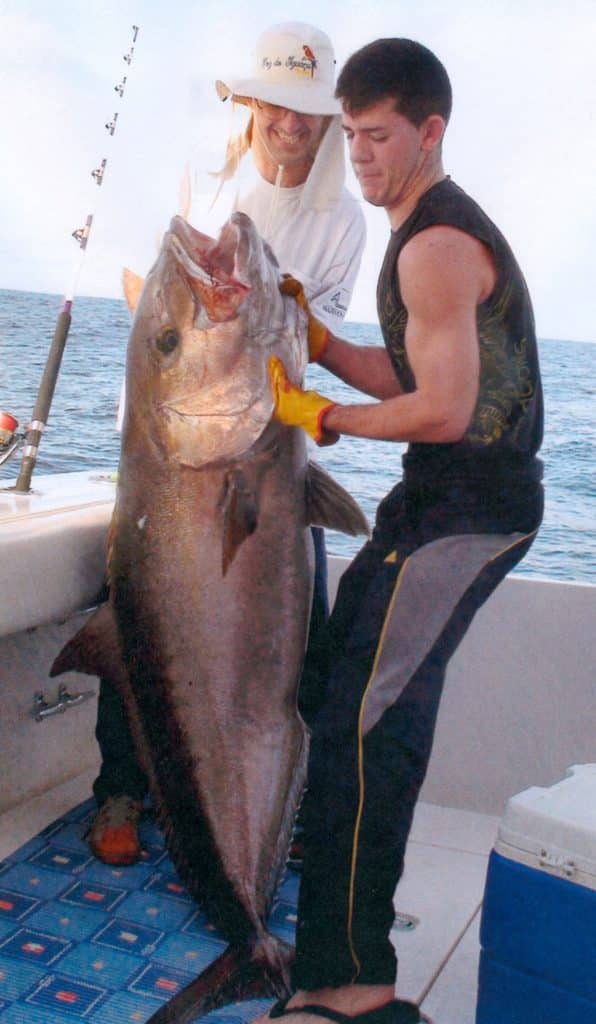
(258, 969)
(329, 504)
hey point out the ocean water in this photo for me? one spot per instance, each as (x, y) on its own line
(81, 431)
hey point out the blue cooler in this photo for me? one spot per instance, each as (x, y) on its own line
(538, 929)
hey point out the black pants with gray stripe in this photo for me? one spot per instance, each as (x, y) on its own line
(403, 606)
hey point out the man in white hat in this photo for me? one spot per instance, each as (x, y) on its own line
(316, 228)
(299, 202)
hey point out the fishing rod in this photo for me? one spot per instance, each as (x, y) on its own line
(10, 439)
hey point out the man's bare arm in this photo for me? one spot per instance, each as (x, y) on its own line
(367, 368)
(444, 274)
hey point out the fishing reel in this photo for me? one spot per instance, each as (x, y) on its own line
(9, 439)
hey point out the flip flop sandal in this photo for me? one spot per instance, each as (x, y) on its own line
(398, 1011)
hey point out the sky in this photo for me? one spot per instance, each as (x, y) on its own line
(522, 138)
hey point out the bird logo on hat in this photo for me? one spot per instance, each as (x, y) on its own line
(311, 57)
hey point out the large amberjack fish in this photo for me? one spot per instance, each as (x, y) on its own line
(211, 571)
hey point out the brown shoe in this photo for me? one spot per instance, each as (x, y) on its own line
(113, 836)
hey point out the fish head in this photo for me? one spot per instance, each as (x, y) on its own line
(209, 316)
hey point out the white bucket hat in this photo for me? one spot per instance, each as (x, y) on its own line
(294, 67)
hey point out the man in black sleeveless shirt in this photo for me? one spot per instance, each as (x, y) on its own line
(458, 379)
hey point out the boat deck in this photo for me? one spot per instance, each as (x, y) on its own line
(438, 902)
(524, 674)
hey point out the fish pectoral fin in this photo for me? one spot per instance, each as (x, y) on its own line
(328, 504)
(95, 649)
(239, 506)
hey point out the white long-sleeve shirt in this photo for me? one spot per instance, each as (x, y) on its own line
(322, 248)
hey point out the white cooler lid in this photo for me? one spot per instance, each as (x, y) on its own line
(554, 828)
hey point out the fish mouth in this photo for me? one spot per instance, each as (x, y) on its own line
(211, 437)
(217, 401)
(206, 260)
(190, 412)
(216, 270)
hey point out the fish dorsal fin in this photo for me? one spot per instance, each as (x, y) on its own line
(239, 505)
(328, 504)
(133, 286)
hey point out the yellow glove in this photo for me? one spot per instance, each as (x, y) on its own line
(297, 408)
(318, 334)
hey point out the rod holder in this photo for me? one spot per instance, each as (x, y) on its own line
(43, 402)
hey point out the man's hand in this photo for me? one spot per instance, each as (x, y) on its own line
(297, 408)
(318, 334)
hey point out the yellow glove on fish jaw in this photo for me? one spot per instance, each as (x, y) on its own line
(318, 334)
(297, 408)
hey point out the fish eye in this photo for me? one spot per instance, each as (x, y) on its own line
(167, 342)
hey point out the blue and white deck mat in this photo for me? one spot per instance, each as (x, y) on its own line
(82, 941)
